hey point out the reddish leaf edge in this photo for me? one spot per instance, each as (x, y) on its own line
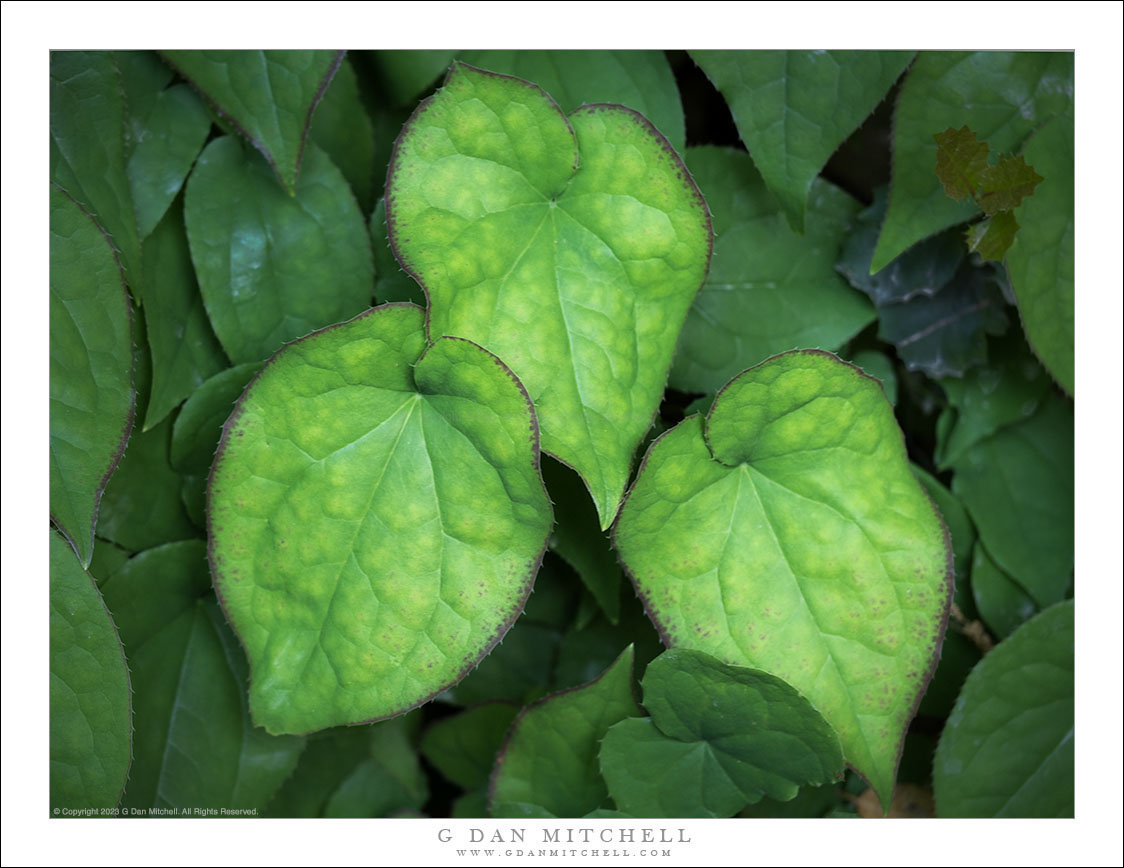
(526, 586)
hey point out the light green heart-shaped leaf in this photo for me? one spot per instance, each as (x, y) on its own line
(1041, 259)
(641, 80)
(1001, 95)
(91, 370)
(795, 108)
(88, 148)
(769, 289)
(274, 267)
(570, 247)
(1007, 749)
(91, 707)
(195, 743)
(185, 351)
(269, 96)
(786, 532)
(547, 766)
(719, 737)
(1018, 487)
(376, 519)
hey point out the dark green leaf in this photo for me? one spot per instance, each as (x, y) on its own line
(364, 771)
(590, 646)
(791, 519)
(199, 422)
(641, 80)
(342, 129)
(88, 148)
(548, 765)
(269, 96)
(195, 744)
(879, 366)
(1041, 259)
(1001, 602)
(958, 655)
(516, 670)
(377, 512)
(142, 506)
(185, 351)
(769, 289)
(578, 537)
(91, 370)
(91, 710)
(463, 747)
(1006, 390)
(570, 247)
(273, 267)
(406, 74)
(1003, 95)
(1007, 750)
(193, 493)
(166, 141)
(795, 108)
(810, 802)
(720, 736)
(933, 304)
(1018, 487)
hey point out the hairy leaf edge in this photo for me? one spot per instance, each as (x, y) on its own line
(661, 140)
(258, 145)
(528, 582)
(949, 582)
(130, 417)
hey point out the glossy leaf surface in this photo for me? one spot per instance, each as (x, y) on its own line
(1001, 602)
(376, 519)
(548, 764)
(90, 371)
(269, 96)
(1041, 259)
(769, 289)
(195, 743)
(185, 351)
(795, 108)
(1002, 95)
(166, 141)
(91, 709)
(641, 80)
(719, 737)
(273, 267)
(88, 148)
(1018, 487)
(1007, 750)
(786, 532)
(570, 247)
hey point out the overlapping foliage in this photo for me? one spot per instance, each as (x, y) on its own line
(378, 499)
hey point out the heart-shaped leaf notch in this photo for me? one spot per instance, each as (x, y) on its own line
(376, 519)
(571, 247)
(786, 532)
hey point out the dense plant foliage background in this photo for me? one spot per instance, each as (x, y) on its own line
(208, 208)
